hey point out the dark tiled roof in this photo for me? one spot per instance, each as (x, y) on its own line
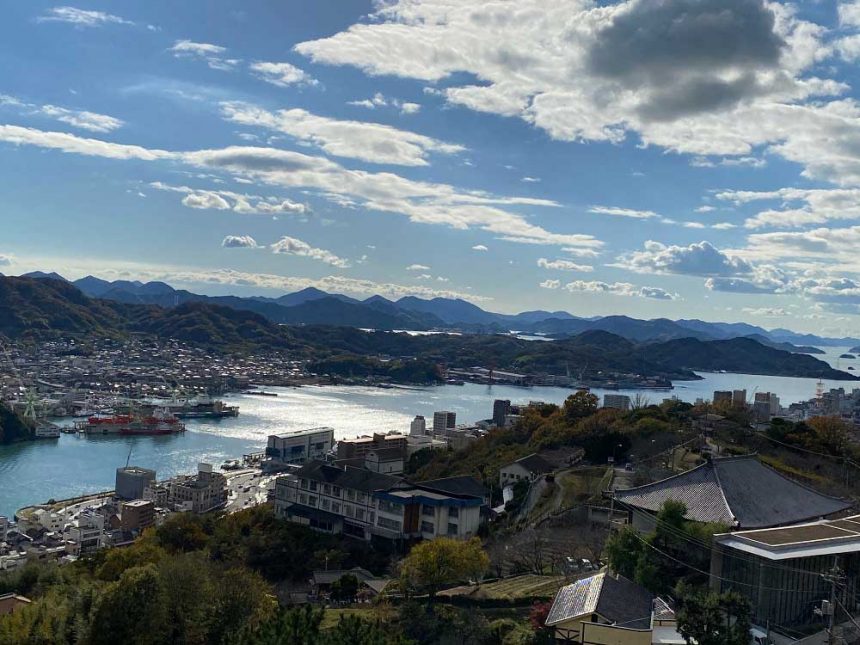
(355, 478)
(387, 454)
(736, 491)
(534, 463)
(617, 600)
(463, 485)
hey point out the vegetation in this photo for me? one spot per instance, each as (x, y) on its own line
(12, 426)
(352, 365)
(443, 561)
(715, 619)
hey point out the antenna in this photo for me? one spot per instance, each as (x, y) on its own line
(128, 459)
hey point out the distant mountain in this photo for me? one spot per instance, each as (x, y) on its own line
(41, 275)
(449, 310)
(308, 294)
(92, 286)
(788, 347)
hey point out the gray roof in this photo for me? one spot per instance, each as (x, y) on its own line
(534, 463)
(355, 478)
(617, 600)
(735, 491)
(460, 485)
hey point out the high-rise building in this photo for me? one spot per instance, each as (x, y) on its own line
(443, 421)
(301, 446)
(501, 409)
(131, 480)
(418, 427)
(617, 401)
(739, 398)
(722, 397)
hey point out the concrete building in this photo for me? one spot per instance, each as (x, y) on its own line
(388, 461)
(616, 401)
(782, 571)
(198, 494)
(739, 398)
(528, 468)
(88, 533)
(4, 527)
(722, 397)
(765, 406)
(300, 447)
(131, 480)
(363, 504)
(362, 446)
(158, 494)
(444, 421)
(418, 427)
(501, 409)
(137, 515)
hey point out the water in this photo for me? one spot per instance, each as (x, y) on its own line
(34, 472)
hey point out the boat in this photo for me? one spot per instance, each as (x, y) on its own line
(260, 393)
(46, 430)
(231, 464)
(161, 421)
(199, 408)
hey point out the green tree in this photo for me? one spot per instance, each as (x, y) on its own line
(345, 588)
(352, 630)
(715, 619)
(286, 627)
(243, 601)
(580, 405)
(622, 551)
(182, 532)
(132, 610)
(435, 563)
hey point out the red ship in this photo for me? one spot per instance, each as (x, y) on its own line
(159, 422)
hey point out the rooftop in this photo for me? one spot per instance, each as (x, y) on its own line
(617, 600)
(825, 537)
(301, 433)
(353, 478)
(738, 492)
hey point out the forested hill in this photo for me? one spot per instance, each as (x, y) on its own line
(40, 309)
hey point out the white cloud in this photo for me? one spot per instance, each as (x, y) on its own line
(281, 74)
(531, 180)
(239, 202)
(81, 17)
(693, 225)
(213, 55)
(723, 226)
(379, 100)
(799, 207)
(480, 247)
(373, 142)
(735, 80)
(705, 209)
(83, 119)
(563, 265)
(620, 289)
(622, 212)
(410, 108)
(768, 312)
(550, 284)
(422, 202)
(701, 259)
(417, 267)
(205, 199)
(239, 242)
(294, 246)
(5, 260)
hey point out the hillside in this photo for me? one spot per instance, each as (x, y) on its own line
(12, 427)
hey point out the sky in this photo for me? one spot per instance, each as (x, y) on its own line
(655, 158)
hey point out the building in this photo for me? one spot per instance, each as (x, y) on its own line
(601, 599)
(501, 409)
(616, 401)
(131, 480)
(158, 494)
(362, 446)
(765, 406)
(783, 571)
(418, 427)
(722, 397)
(738, 492)
(363, 504)
(444, 421)
(527, 468)
(388, 461)
(739, 398)
(4, 527)
(88, 532)
(199, 493)
(137, 515)
(299, 447)
(10, 603)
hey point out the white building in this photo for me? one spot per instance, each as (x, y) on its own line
(444, 421)
(617, 401)
(301, 446)
(418, 427)
(527, 468)
(198, 494)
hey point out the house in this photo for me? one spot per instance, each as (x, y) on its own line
(783, 571)
(388, 461)
(364, 504)
(738, 492)
(603, 599)
(10, 603)
(322, 581)
(527, 468)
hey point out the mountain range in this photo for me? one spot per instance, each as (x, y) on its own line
(43, 308)
(313, 306)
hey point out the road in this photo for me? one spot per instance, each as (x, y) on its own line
(247, 488)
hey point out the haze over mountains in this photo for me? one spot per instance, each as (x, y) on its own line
(312, 306)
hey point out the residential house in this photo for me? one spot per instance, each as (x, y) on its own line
(527, 468)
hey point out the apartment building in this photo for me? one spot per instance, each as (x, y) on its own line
(299, 447)
(362, 446)
(199, 494)
(364, 504)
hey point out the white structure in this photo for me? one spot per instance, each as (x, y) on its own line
(199, 494)
(88, 532)
(617, 401)
(527, 468)
(300, 447)
(418, 427)
(388, 461)
(444, 421)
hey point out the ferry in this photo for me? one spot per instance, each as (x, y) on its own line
(199, 408)
(159, 422)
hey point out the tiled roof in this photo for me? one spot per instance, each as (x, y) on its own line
(617, 600)
(354, 478)
(534, 463)
(463, 485)
(735, 491)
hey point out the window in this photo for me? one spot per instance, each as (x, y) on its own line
(453, 512)
(370, 516)
(312, 501)
(313, 485)
(303, 499)
(349, 510)
(429, 511)
(304, 484)
(350, 495)
(320, 445)
(427, 527)
(359, 514)
(388, 507)
(325, 504)
(335, 490)
(327, 489)
(452, 529)
(386, 523)
(335, 508)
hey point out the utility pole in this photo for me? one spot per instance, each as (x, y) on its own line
(834, 578)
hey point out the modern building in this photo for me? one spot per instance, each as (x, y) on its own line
(765, 406)
(363, 504)
(501, 409)
(199, 493)
(88, 533)
(784, 571)
(722, 397)
(299, 447)
(739, 398)
(137, 515)
(738, 492)
(418, 427)
(527, 468)
(362, 446)
(158, 494)
(131, 480)
(444, 421)
(616, 401)
(388, 461)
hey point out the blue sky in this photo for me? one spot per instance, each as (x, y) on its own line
(680, 158)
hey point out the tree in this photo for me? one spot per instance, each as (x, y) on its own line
(182, 532)
(345, 588)
(435, 563)
(243, 601)
(132, 610)
(580, 405)
(831, 434)
(715, 619)
(622, 551)
(287, 627)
